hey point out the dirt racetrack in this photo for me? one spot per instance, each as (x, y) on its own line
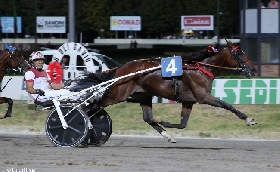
(26, 152)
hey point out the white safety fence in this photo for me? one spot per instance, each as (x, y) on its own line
(16, 90)
(233, 91)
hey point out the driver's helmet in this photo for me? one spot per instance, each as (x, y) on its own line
(36, 56)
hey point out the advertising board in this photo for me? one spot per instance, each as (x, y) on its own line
(129, 23)
(197, 22)
(50, 24)
(247, 91)
(15, 88)
(7, 24)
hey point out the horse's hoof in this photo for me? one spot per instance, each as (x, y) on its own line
(250, 121)
(7, 115)
(157, 119)
(172, 140)
(2, 116)
(169, 137)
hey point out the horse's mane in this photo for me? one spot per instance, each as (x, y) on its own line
(2, 51)
(200, 55)
(193, 56)
(91, 79)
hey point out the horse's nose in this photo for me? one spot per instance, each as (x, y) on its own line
(255, 70)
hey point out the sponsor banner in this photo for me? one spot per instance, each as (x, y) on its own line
(247, 91)
(7, 24)
(50, 24)
(129, 23)
(197, 22)
(15, 89)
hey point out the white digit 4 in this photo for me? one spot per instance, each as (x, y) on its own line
(171, 66)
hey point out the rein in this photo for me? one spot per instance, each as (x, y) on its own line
(227, 68)
(207, 72)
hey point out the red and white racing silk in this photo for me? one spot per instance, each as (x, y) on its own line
(42, 81)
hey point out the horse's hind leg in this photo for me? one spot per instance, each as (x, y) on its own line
(148, 117)
(185, 114)
(145, 101)
(10, 108)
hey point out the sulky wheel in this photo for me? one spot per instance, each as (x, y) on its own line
(101, 130)
(71, 136)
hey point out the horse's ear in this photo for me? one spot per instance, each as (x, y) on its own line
(229, 43)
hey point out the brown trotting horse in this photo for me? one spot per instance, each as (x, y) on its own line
(15, 60)
(194, 85)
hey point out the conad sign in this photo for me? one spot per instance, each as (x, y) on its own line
(233, 91)
(125, 23)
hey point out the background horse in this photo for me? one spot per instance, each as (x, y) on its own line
(15, 60)
(193, 86)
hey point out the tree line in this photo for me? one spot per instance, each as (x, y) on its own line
(159, 17)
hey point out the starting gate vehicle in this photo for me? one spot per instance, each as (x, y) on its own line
(80, 60)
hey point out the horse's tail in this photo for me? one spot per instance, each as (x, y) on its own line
(91, 79)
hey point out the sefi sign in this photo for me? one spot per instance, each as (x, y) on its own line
(247, 91)
(197, 22)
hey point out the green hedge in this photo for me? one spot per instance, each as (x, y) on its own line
(179, 48)
(125, 55)
(103, 47)
(98, 47)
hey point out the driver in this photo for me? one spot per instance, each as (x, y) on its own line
(39, 85)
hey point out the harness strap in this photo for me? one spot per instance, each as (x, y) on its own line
(205, 71)
(176, 87)
(235, 48)
(199, 67)
(247, 59)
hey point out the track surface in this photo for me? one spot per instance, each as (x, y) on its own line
(140, 153)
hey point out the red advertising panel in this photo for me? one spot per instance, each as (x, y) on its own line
(205, 22)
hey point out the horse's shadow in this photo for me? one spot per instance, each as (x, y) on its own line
(190, 148)
(197, 148)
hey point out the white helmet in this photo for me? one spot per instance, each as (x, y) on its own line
(36, 56)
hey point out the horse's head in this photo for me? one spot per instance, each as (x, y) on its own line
(18, 61)
(241, 60)
(4, 57)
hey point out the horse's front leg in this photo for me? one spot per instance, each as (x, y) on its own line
(148, 117)
(213, 101)
(10, 105)
(185, 114)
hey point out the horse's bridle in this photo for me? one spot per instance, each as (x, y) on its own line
(236, 54)
(20, 63)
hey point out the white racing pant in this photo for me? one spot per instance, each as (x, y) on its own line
(56, 94)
